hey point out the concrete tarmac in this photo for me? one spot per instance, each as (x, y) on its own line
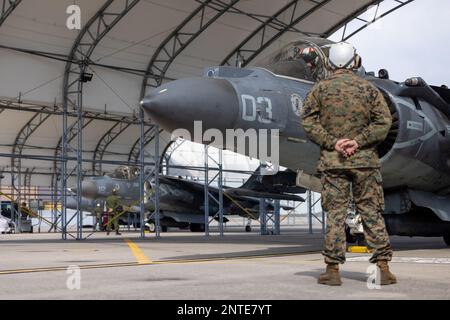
(183, 265)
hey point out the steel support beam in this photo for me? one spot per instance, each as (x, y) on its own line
(27, 182)
(22, 137)
(72, 133)
(180, 38)
(16, 161)
(149, 173)
(261, 38)
(112, 134)
(217, 201)
(347, 19)
(57, 110)
(74, 78)
(167, 154)
(310, 211)
(311, 203)
(8, 7)
(133, 156)
(269, 221)
(377, 16)
(269, 32)
(172, 46)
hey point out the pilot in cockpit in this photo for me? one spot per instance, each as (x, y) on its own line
(304, 59)
(310, 56)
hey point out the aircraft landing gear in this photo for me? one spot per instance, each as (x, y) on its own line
(151, 226)
(447, 239)
(248, 227)
(357, 239)
(348, 236)
(197, 227)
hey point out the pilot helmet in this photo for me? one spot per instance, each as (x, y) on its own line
(343, 56)
(309, 55)
(115, 191)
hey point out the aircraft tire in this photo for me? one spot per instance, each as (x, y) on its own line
(447, 239)
(248, 229)
(151, 226)
(197, 227)
(164, 228)
(361, 241)
(349, 237)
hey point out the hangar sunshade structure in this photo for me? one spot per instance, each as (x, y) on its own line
(69, 99)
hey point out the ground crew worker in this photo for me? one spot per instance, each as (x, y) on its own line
(24, 211)
(347, 117)
(112, 204)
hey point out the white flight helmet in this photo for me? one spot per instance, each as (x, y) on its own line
(343, 56)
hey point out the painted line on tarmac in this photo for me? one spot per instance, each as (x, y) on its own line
(140, 256)
(157, 262)
(406, 260)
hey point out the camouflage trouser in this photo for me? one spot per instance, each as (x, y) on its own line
(113, 221)
(365, 184)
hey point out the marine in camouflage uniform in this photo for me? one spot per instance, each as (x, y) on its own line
(346, 106)
(112, 204)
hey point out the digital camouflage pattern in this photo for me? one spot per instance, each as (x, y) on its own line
(112, 203)
(365, 185)
(346, 106)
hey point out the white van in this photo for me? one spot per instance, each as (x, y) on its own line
(6, 225)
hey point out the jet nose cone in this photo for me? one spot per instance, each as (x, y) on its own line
(177, 104)
(71, 203)
(89, 189)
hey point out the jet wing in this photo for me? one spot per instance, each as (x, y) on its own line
(241, 192)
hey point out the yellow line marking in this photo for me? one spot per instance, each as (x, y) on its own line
(159, 262)
(358, 249)
(141, 258)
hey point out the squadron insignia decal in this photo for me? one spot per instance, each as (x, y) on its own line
(297, 104)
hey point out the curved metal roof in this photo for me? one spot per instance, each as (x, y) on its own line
(129, 46)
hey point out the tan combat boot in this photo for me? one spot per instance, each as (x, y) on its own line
(386, 277)
(331, 277)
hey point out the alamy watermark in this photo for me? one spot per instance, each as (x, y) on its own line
(73, 22)
(74, 278)
(373, 280)
(260, 144)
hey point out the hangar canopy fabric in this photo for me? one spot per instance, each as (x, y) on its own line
(134, 52)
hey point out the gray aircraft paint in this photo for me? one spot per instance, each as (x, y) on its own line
(418, 159)
(180, 200)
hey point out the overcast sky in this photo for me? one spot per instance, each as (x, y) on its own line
(413, 41)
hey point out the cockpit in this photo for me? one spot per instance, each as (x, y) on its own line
(125, 173)
(303, 59)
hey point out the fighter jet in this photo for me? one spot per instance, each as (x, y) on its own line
(130, 214)
(415, 155)
(182, 201)
(86, 204)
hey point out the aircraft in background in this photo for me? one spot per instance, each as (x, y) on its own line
(182, 201)
(415, 156)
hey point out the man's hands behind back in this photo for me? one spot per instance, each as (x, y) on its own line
(347, 147)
